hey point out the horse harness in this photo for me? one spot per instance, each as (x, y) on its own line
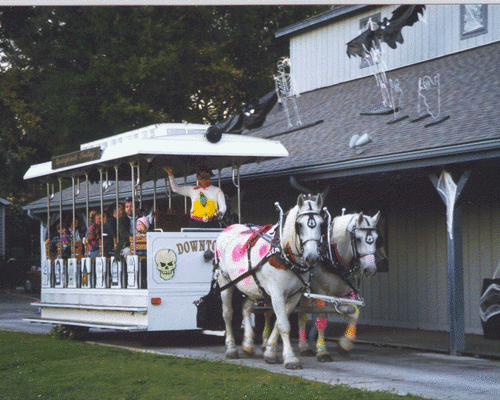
(277, 256)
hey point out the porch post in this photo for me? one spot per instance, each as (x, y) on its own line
(455, 274)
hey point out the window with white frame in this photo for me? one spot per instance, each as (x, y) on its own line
(473, 20)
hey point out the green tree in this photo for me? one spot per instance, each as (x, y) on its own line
(75, 74)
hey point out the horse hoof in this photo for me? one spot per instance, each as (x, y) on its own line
(293, 365)
(324, 358)
(271, 360)
(345, 344)
(248, 351)
(232, 354)
(307, 353)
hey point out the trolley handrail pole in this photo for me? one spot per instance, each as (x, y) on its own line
(87, 201)
(101, 247)
(154, 198)
(117, 202)
(48, 210)
(133, 204)
(236, 182)
(73, 243)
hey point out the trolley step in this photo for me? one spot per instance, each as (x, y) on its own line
(90, 307)
(87, 324)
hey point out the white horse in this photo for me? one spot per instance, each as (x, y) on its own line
(351, 252)
(262, 269)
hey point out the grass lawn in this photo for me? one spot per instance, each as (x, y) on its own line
(41, 367)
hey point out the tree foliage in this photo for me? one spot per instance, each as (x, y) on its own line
(74, 74)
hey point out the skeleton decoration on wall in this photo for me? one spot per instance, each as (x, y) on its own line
(286, 91)
(166, 261)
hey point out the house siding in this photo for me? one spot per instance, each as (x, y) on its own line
(413, 294)
(319, 56)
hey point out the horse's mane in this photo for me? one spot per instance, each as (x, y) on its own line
(340, 224)
(289, 226)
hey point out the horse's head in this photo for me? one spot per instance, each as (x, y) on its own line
(363, 233)
(307, 227)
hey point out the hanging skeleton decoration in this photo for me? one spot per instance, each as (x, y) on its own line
(367, 45)
(390, 89)
(286, 91)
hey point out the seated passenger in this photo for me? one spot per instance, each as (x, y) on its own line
(108, 235)
(77, 232)
(208, 204)
(60, 237)
(122, 247)
(94, 236)
(142, 227)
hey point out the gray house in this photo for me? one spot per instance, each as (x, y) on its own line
(411, 131)
(383, 135)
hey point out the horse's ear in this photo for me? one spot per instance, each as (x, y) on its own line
(375, 219)
(360, 218)
(300, 200)
(319, 200)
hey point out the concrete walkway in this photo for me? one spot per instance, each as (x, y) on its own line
(436, 341)
(394, 362)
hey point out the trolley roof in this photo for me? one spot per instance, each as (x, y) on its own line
(184, 146)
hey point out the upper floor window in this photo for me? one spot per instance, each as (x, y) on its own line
(473, 20)
(364, 24)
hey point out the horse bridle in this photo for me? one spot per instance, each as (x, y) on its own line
(354, 249)
(311, 223)
(369, 240)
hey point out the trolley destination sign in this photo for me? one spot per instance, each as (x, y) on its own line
(77, 157)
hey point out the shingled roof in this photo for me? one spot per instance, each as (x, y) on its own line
(470, 94)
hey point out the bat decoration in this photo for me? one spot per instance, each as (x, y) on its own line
(388, 31)
(251, 116)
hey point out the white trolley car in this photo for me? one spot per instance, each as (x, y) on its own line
(155, 292)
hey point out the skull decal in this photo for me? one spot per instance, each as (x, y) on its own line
(165, 263)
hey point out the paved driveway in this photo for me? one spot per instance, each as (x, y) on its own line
(429, 375)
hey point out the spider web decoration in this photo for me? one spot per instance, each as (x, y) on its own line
(285, 89)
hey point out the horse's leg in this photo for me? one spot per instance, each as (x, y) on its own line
(303, 344)
(267, 329)
(227, 314)
(282, 327)
(304, 349)
(321, 351)
(248, 336)
(346, 341)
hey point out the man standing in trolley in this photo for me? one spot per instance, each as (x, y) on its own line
(208, 204)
